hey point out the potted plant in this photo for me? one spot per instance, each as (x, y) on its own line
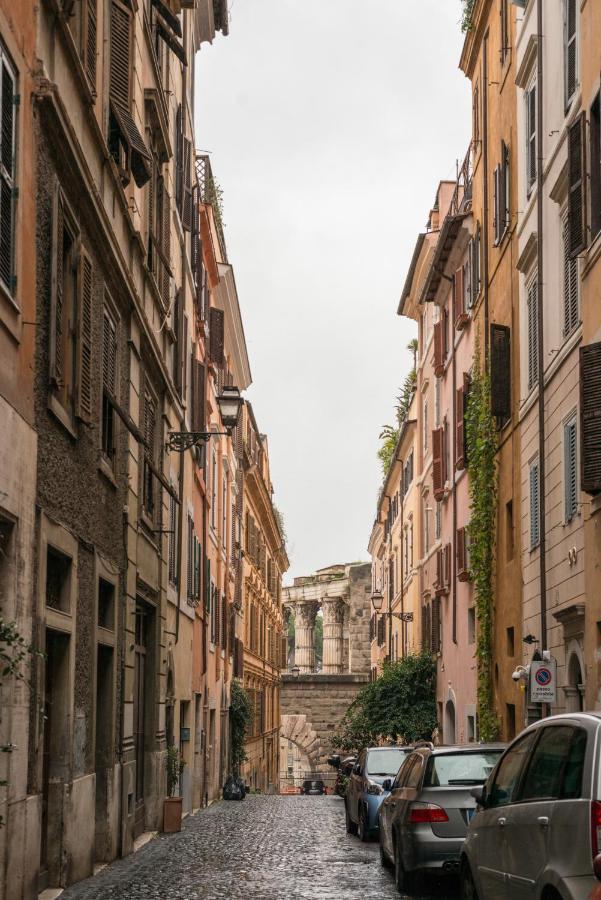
(172, 805)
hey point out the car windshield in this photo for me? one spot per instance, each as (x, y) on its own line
(386, 761)
(460, 768)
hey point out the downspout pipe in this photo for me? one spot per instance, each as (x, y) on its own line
(485, 198)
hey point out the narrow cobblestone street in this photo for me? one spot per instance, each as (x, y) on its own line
(266, 848)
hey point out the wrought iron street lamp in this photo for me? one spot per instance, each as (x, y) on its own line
(229, 403)
(377, 601)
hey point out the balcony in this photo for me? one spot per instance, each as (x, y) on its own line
(211, 194)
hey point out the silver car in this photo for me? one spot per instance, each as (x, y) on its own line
(423, 821)
(538, 825)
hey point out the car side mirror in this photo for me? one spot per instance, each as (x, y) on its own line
(387, 784)
(479, 795)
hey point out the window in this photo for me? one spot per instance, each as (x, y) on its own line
(8, 151)
(58, 580)
(577, 179)
(590, 423)
(106, 604)
(62, 349)
(471, 625)
(426, 518)
(190, 570)
(570, 50)
(438, 521)
(213, 613)
(511, 641)
(425, 427)
(595, 157)
(571, 315)
(531, 161)
(83, 25)
(555, 769)
(475, 251)
(504, 30)
(532, 312)
(109, 384)
(149, 488)
(224, 510)
(172, 541)
(509, 530)
(411, 543)
(214, 492)
(449, 769)
(501, 196)
(506, 781)
(534, 506)
(570, 473)
(476, 114)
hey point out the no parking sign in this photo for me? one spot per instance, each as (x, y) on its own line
(543, 681)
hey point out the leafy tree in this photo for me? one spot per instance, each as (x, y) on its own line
(399, 706)
(390, 434)
(241, 716)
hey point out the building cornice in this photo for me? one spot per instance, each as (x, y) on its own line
(474, 37)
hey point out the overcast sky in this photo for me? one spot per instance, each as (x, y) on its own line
(330, 123)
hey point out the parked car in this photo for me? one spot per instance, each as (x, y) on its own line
(424, 819)
(343, 775)
(375, 768)
(537, 831)
(313, 786)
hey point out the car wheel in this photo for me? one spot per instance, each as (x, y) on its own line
(363, 827)
(405, 881)
(383, 858)
(468, 888)
(351, 828)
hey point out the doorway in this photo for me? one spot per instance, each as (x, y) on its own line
(143, 705)
(449, 723)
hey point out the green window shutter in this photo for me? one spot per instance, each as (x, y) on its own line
(534, 506)
(570, 470)
(532, 334)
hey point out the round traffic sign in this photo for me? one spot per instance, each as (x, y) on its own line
(544, 677)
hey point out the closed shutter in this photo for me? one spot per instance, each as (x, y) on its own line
(459, 296)
(439, 570)
(448, 550)
(495, 206)
(56, 313)
(224, 616)
(84, 339)
(577, 192)
(571, 62)
(171, 541)
(437, 463)
(460, 428)
(90, 42)
(120, 58)
(109, 355)
(7, 176)
(475, 260)
(187, 186)
(216, 336)
(436, 626)
(500, 371)
(179, 159)
(534, 506)
(166, 244)
(462, 573)
(590, 418)
(438, 349)
(531, 135)
(570, 470)
(198, 396)
(504, 190)
(570, 285)
(190, 560)
(207, 584)
(532, 302)
(178, 347)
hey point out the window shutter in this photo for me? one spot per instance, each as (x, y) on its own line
(224, 614)
(462, 573)
(7, 175)
(84, 339)
(109, 355)
(500, 370)
(439, 347)
(120, 61)
(166, 244)
(460, 294)
(90, 42)
(531, 135)
(216, 335)
(56, 312)
(439, 570)
(590, 418)
(534, 506)
(576, 190)
(460, 428)
(504, 190)
(437, 463)
(198, 396)
(570, 470)
(571, 67)
(447, 565)
(532, 301)
(495, 206)
(179, 158)
(570, 285)
(187, 186)
(436, 623)
(476, 246)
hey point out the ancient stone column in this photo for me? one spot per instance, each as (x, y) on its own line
(333, 619)
(304, 635)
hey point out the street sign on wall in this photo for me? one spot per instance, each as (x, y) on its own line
(543, 681)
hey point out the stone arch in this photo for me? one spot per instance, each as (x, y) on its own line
(297, 729)
(574, 678)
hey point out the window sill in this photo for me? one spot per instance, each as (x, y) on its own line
(61, 414)
(106, 470)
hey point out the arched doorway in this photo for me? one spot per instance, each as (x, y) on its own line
(448, 731)
(574, 689)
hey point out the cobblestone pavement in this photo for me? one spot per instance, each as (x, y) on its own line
(265, 848)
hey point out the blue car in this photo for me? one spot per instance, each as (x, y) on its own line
(370, 781)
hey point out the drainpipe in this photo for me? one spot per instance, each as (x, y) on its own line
(452, 465)
(180, 529)
(403, 623)
(485, 199)
(540, 326)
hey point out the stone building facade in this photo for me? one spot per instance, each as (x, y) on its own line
(261, 622)
(313, 703)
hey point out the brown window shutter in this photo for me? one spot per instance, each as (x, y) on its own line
(84, 339)
(120, 62)
(590, 418)
(166, 245)
(447, 565)
(577, 185)
(187, 186)
(198, 396)
(224, 615)
(216, 336)
(437, 463)
(439, 348)
(460, 428)
(179, 158)
(109, 355)
(90, 42)
(439, 570)
(500, 371)
(435, 630)
(458, 292)
(56, 317)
